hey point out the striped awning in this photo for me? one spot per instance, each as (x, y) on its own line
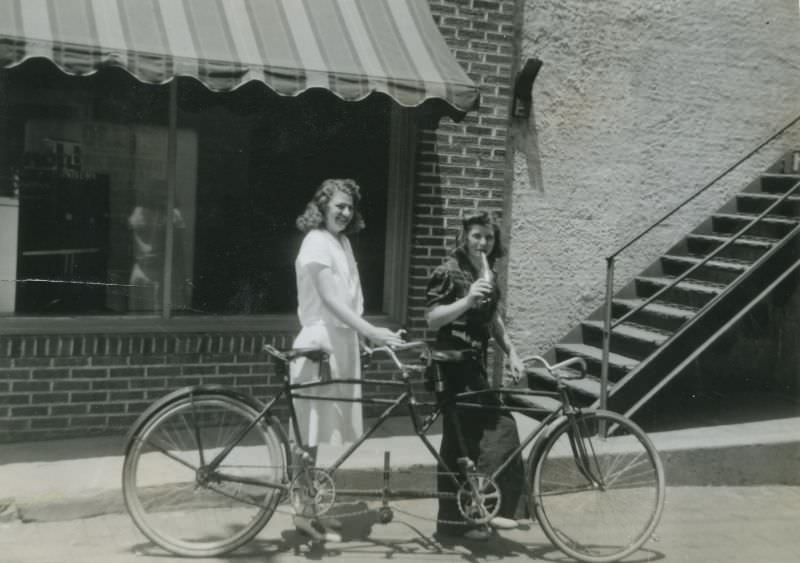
(350, 47)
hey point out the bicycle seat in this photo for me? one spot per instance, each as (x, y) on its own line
(313, 354)
(453, 355)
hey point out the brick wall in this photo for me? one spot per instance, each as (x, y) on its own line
(463, 165)
(74, 385)
(77, 385)
(60, 386)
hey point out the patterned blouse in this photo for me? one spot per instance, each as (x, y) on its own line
(450, 282)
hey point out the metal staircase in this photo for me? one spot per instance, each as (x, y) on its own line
(673, 310)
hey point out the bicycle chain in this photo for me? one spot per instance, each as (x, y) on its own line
(286, 500)
(286, 497)
(363, 512)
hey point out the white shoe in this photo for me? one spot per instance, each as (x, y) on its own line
(501, 523)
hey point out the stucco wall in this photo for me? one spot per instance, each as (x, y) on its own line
(637, 106)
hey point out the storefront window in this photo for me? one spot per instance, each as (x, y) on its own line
(261, 157)
(84, 194)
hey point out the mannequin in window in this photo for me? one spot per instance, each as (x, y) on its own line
(148, 226)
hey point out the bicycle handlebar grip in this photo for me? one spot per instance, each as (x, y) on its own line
(574, 360)
(408, 345)
(273, 351)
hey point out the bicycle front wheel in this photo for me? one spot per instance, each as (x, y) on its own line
(598, 487)
(182, 506)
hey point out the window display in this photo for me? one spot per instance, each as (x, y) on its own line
(96, 234)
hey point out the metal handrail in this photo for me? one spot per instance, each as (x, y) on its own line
(719, 176)
(707, 259)
(607, 324)
(714, 337)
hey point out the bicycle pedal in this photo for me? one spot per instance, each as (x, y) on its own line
(466, 464)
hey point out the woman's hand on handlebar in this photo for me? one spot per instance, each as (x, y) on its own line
(380, 336)
(516, 366)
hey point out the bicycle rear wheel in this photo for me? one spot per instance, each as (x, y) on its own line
(598, 487)
(171, 497)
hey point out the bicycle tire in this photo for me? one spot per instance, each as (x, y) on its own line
(598, 524)
(164, 494)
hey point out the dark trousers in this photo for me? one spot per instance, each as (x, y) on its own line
(488, 439)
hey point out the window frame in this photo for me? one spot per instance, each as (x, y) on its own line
(400, 182)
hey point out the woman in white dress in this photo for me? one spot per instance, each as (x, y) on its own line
(330, 310)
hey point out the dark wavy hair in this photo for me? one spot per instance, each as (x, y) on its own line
(314, 215)
(484, 219)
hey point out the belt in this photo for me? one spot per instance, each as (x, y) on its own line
(461, 335)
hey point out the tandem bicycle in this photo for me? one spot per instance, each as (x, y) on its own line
(207, 466)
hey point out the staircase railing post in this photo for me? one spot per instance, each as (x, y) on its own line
(607, 332)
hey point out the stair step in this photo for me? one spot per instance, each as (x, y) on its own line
(754, 202)
(716, 262)
(618, 365)
(632, 330)
(778, 183)
(587, 386)
(688, 284)
(658, 314)
(627, 339)
(744, 239)
(789, 163)
(768, 196)
(769, 227)
(745, 248)
(750, 216)
(544, 402)
(660, 307)
(716, 270)
(687, 292)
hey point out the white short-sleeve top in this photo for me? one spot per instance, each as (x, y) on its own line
(320, 246)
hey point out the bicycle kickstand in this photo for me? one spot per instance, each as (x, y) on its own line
(385, 514)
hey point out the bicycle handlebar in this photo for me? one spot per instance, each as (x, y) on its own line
(553, 369)
(405, 368)
(391, 351)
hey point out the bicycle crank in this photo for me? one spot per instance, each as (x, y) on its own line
(479, 499)
(313, 488)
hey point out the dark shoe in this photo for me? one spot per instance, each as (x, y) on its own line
(450, 535)
(316, 531)
(331, 522)
(477, 534)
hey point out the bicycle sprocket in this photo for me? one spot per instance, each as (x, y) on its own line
(313, 487)
(479, 499)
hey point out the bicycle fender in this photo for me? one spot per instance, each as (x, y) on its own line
(180, 394)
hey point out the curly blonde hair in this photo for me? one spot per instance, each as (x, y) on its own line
(314, 215)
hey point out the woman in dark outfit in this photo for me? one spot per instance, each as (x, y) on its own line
(463, 308)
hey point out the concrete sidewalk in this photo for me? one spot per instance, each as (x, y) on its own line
(78, 478)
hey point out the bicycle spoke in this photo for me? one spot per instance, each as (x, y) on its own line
(610, 519)
(186, 509)
(174, 457)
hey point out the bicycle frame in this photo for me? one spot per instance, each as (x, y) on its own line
(567, 456)
(421, 424)
(578, 448)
